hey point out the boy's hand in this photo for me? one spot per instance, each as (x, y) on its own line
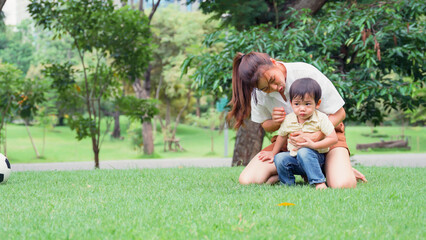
(266, 156)
(309, 143)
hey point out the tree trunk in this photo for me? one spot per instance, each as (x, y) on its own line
(5, 139)
(32, 140)
(212, 139)
(61, 120)
(117, 131)
(96, 152)
(248, 143)
(44, 141)
(148, 140)
(188, 99)
(198, 107)
(167, 112)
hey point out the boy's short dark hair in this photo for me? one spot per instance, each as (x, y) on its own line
(303, 86)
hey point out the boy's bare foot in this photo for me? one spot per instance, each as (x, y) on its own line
(320, 186)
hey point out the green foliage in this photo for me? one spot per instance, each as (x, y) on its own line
(2, 25)
(367, 51)
(18, 95)
(242, 14)
(95, 28)
(83, 126)
(11, 90)
(83, 20)
(129, 44)
(135, 134)
(212, 119)
(177, 34)
(137, 109)
(15, 48)
(418, 115)
(11, 87)
(33, 96)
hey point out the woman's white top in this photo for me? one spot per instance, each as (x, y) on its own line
(331, 101)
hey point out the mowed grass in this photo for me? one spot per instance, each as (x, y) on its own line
(208, 203)
(62, 146)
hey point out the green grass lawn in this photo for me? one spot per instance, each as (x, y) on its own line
(62, 146)
(208, 203)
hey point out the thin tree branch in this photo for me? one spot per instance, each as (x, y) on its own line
(180, 113)
(154, 8)
(141, 5)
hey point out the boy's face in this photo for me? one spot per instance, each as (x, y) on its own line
(304, 108)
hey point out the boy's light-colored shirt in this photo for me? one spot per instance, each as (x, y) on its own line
(317, 122)
(331, 101)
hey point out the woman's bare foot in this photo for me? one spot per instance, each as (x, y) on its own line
(320, 186)
(359, 175)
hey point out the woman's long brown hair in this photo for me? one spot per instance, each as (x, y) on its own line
(246, 70)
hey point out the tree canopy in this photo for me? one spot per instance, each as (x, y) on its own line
(373, 53)
(110, 43)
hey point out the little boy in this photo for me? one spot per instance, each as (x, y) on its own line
(305, 97)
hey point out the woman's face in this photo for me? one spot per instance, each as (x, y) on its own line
(272, 80)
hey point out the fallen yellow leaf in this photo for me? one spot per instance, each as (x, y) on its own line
(286, 204)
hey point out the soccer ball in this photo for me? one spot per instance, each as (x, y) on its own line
(4, 169)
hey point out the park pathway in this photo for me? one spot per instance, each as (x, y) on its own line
(396, 160)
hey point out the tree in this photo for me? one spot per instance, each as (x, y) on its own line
(367, 50)
(28, 107)
(11, 94)
(131, 49)
(176, 34)
(96, 31)
(15, 49)
(243, 14)
(143, 90)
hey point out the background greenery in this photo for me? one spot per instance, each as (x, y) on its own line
(62, 146)
(188, 203)
(372, 51)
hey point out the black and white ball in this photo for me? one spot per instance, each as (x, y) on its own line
(4, 169)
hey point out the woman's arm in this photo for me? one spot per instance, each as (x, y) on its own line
(337, 117)
(327, 142)
(272, 125)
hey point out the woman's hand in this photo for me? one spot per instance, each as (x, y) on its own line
(266, 156)
(278, 115)
(308, 143)
(298, 140)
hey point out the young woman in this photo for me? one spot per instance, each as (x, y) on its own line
(260, 87)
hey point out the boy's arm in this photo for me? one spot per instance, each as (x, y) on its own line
(269, 155)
